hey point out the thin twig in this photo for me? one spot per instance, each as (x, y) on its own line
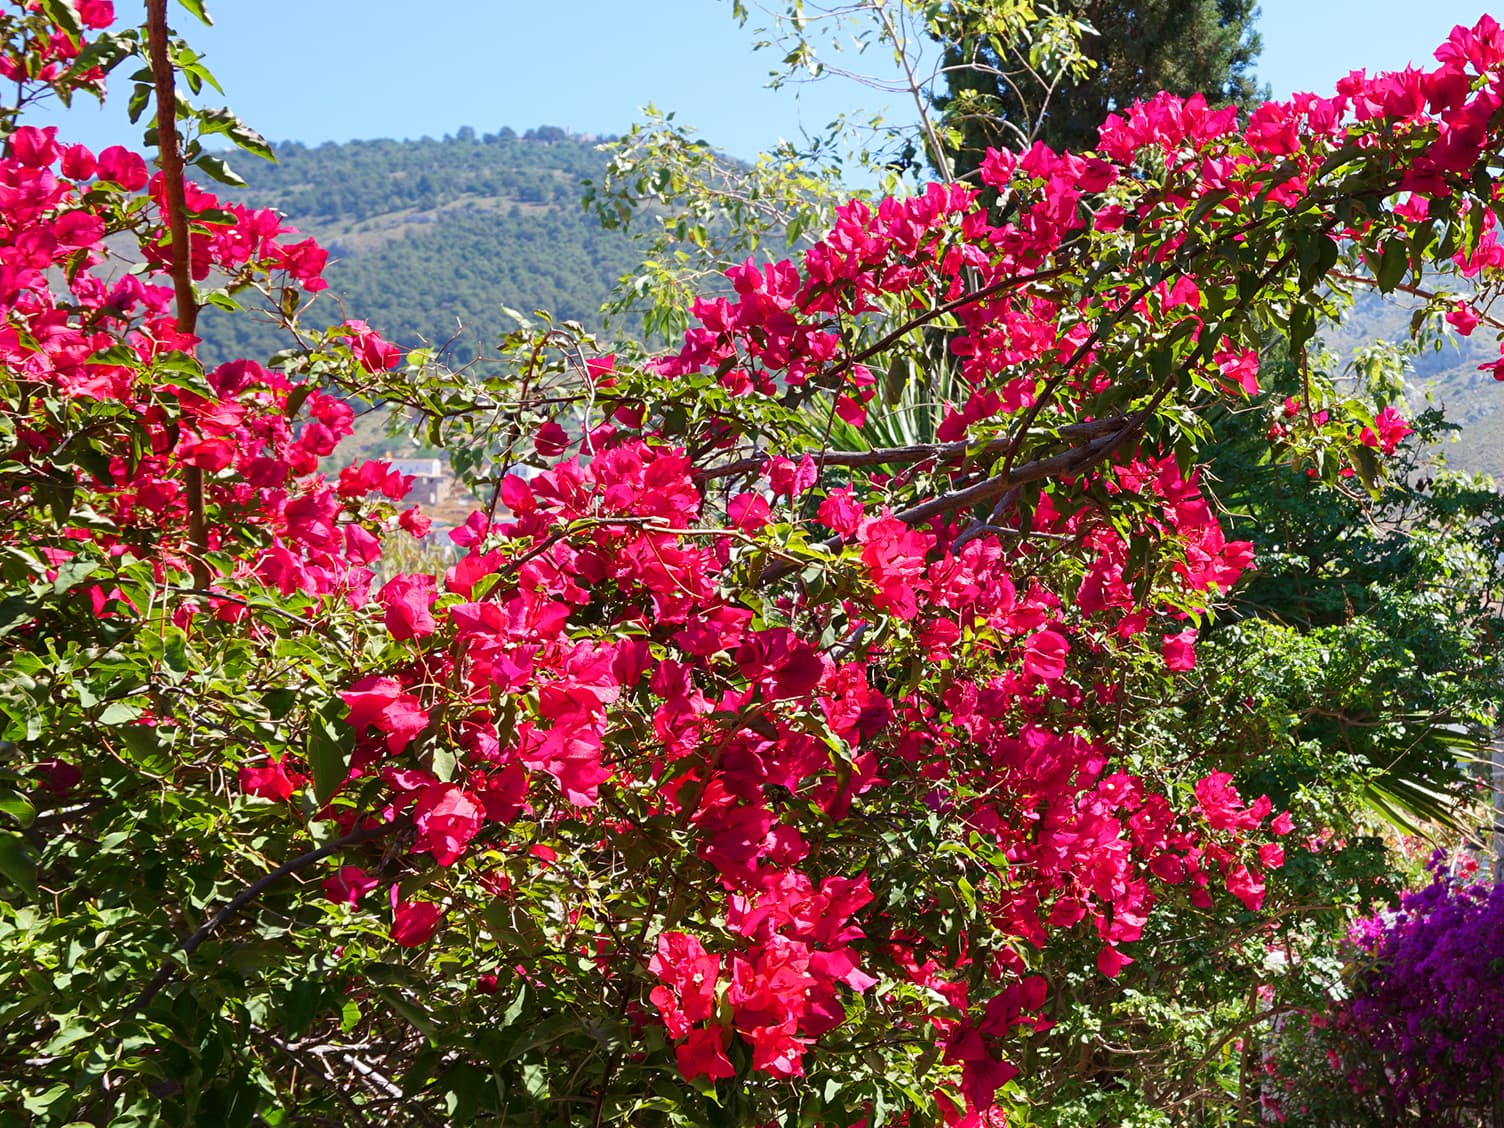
(249, 894)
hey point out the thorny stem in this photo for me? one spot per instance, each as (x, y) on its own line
(175, 204)
(249, 894)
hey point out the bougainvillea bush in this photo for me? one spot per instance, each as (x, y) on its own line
(1413, 1033)
(729, 775)
(1427, 1000)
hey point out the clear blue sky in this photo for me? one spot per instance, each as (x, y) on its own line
(317, 70)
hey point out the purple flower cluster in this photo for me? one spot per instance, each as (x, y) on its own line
(1428, 1003)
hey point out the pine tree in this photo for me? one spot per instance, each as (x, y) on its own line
(994, 98)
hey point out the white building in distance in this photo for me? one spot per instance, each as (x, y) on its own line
(431, 478)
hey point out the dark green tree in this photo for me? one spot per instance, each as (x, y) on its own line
(1001, 92)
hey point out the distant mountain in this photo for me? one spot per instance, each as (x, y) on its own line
(427, 236)
(1449, 375)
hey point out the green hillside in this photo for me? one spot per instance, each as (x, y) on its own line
(427, 236)
(1448, 374)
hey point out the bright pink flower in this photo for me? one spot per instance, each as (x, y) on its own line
(1463, 317)
(305, 262)
(33, 147)
(273, 781)
(1180, 651)
(1044, 656)
(365, 477)
(894, 555)
(781, 662)
(473, 531)
(689, 977)
(1246, 885)
(1219, 801)
(415, 522)
(414, 922)
(407, 601)
(380, 703)
(841, 512)
(373, 353)
(551, 440)
(1391, 428)
(120, 166)
(776, 1051)
(360, 545)
(447, 818)
(789, 479)
(348, 885)
(1110, 961)
(704, 1054)
(748, 511)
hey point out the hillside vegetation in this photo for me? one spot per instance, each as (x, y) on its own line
(428, 240)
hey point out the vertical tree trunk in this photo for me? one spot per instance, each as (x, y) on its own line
(175, 210)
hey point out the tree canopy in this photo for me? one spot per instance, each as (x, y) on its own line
(998, 93)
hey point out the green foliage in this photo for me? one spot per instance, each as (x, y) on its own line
(1002, 91)
(697, 211)
(125, 880)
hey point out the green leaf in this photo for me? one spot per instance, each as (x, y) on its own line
(535, 1080)
(123, 355)
(140, 96)
(15, 864)
(42, 1103)
(175, 652)
(70, 1033)
(221, 300)
(223, 121)
(196, 7)
(142, 746)
(444, 762)
(1393, 263)
(1302, 326)
(330, 742)
(18, 807)
(65, 14)
(119, 713)
(220, 170)
(252, 142)
(15, 612)
(106, 51)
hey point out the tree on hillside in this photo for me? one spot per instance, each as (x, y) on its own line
(996, 94)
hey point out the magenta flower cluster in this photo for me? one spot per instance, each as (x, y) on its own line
(1428, 1007)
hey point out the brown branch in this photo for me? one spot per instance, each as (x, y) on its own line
(915, 452)
(1066, 462)
(249, 894)
(1411, 289)
(175, 204)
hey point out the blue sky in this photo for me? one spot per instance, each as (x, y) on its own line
(317, 70)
